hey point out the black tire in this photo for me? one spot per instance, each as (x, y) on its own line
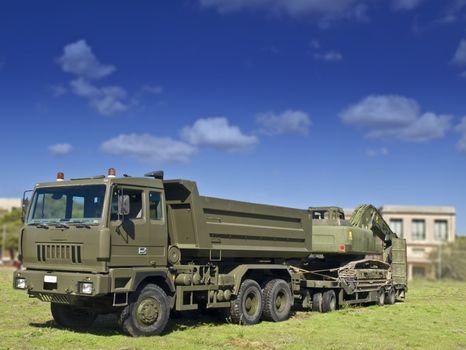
(246, 309)
(277, 300)
(390, 297)
(147, 312)
(380, 297)
(329, 301)
(317, 302)
(70, 316)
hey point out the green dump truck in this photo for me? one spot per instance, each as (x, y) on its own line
(143, 247)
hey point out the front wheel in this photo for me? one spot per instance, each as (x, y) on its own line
(277, 300)
(247, 307)
(73, 317)
(147, 312)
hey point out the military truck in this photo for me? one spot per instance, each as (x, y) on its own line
(144, 247)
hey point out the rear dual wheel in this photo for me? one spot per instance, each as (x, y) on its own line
(390, 296)
(277, 300)
(329, 301)
(273, 303)
(380, 297)
(246, 309)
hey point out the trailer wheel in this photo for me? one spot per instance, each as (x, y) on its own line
(247, 307)
(381, 297)
(390, 297)
(69, 316)
(317, 302)
(329, 301)
(147, 312)
(277, 300)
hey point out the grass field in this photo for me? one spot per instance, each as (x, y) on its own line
(432, 317)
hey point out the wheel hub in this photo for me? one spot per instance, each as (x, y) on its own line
(148, 311)
(250, 304)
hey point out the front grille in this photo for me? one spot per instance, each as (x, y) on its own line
(59, 252)
(54, 298)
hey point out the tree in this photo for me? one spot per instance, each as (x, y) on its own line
(12, 223)
(453, 259)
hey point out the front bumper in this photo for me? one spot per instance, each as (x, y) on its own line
(62, 283)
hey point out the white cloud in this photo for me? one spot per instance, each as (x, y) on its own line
(60, 149)
(405, 5)
(329, 56)
(314, 44)
(106, 100)
(58, 90)
(461, 128)
(153, 89)
(217, 132)
(288, 122)
(393, 116)
(79, 59)
(453, 12)
(323, 11)
(460, 55)
(376, 152)
(149, 149)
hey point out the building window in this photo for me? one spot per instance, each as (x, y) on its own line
(419, 251)
(396, 225)
(418, 230)
(441, 230)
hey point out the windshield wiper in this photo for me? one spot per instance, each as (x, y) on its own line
(79, 224)
(39, 225)
(59, 225)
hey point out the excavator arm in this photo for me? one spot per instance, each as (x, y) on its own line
(367, 216)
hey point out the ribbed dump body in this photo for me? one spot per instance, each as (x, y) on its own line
(213, 227)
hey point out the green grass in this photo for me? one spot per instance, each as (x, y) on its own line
(432, 317)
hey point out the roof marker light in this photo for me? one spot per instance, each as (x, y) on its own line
(111, 172)
(60, 176)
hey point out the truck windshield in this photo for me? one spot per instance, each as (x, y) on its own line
(68, 204)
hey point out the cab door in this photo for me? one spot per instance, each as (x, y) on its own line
(158, 233)
(129, 233)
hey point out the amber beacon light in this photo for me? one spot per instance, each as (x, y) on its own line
(111, 172)
(60, 176)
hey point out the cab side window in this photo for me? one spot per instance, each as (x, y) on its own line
(135, 204)
(155, 206)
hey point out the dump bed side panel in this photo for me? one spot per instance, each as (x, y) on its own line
(256, 226)
(236, 228)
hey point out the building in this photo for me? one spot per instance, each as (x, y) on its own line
(425, 229)
(6, 204)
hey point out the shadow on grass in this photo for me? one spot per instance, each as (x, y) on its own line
(107, 325)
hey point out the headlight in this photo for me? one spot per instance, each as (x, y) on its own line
(85, 287)
(20, 283)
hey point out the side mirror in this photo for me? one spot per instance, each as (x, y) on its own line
(25, 204)
(123, 204)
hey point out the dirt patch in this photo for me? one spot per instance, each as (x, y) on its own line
(250, 344)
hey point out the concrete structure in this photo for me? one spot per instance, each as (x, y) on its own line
(425, 229)
(7, 204)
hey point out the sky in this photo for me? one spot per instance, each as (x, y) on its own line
(288, 102)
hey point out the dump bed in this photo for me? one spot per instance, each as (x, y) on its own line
(204, 226)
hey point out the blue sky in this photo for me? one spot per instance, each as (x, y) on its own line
(297, 103)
